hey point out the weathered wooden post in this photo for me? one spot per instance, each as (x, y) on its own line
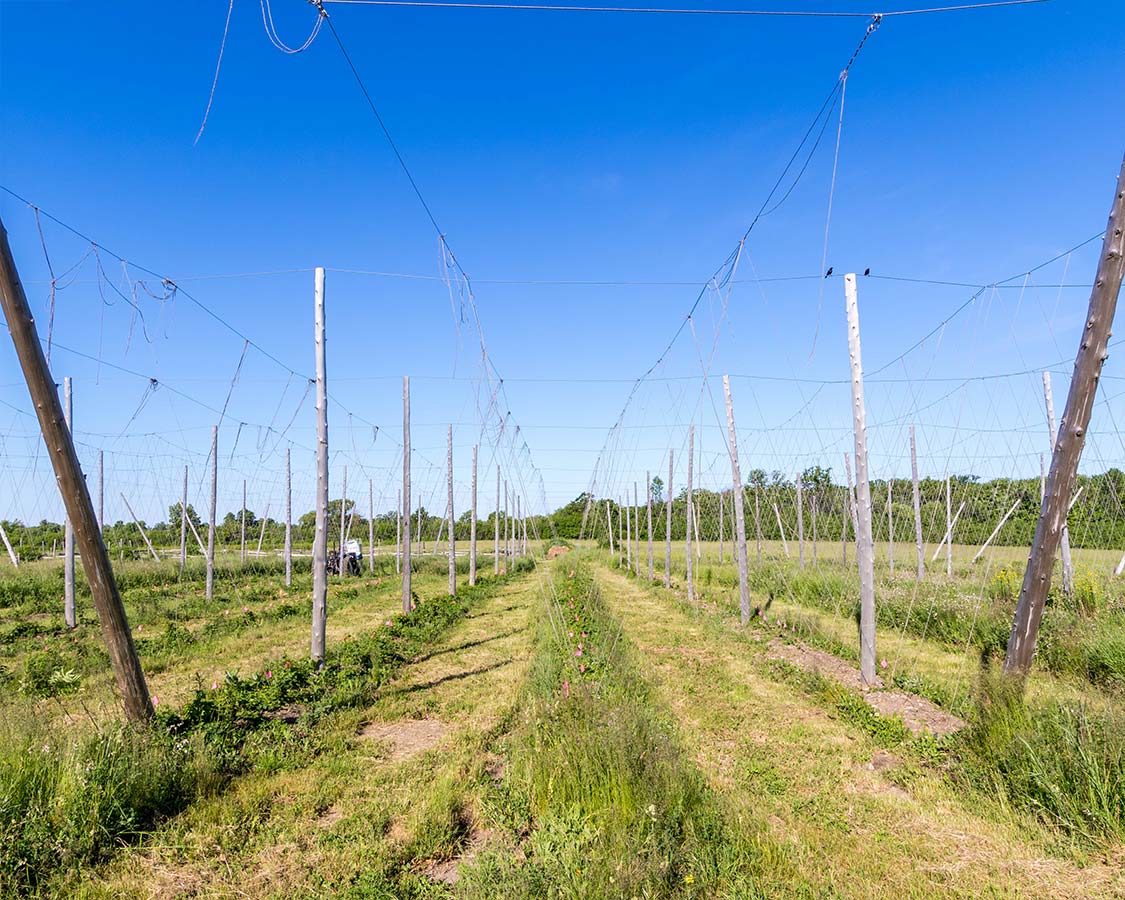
(609, 526)
(688, 512)
(407, 597)
(996, 530)
(320, 535)
(213, 513)
(1092, 352)
(473, 525)
(917, 505)
(781, 529)
(800, 524)
(668, 526)
(739, 510)
(70, 611)
(72, 485)
(262, 530)
(1067, 567)
(452, 518)
(8, 546)
(183, 525)
(288, 519)
(865, 544)
(648, 506)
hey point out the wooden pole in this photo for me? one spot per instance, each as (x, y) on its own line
(890, 528)
(320, 535)
(648, 507)
(668, 526)
(70, 610)
(781, 529)
(1067, 567)
(1092, 352)
(949, 529)
(288, 519)
(473, 524)
(507, 528)
(262, 531)
(183, 524)
(800, 524)
(947, 537)
(609, 526)
(407, 597)
(996, 530)
(72, 486)
(8, 546)
(628, 534)
(198, 539)
(141, 529)
(739, 510)
(213, 513)
(452, 518)
(688, 513)
(917, 505)
(865, 544)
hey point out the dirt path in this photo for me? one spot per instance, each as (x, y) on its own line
(395, 797)
(853, 817)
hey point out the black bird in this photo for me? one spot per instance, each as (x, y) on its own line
(829, 272)
(867, 271)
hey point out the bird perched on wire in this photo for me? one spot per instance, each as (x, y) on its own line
(867, 271)
(829, 272)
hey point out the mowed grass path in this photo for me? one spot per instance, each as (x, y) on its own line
(781, 758)
(359, 820)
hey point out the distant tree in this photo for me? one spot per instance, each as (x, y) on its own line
(658, 489)
(756, 478)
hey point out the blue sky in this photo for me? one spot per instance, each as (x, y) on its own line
(552, 147)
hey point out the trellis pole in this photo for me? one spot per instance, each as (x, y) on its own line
(72, 486)
(996, 530)
(620, 533)
(452, 519)
(213, 512)
(407, 597)
(8, 546)
(1067, 567)
(739, 510)
(668, 526)
(507, 528)
(609, 526)
(781, 529)
(648, 505)
(948, 535)
(917, 505)
(320, 534)
(473, 525)
(688, 513)
(183, 524)
(949, 529)
(1092, 352)
(628, 535)
(865, 545)
(288, 519)
(496, 537)
(141, 529)
(70, 611)
(800, 524)
(890, 528)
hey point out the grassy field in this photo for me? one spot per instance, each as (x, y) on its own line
(570, 730)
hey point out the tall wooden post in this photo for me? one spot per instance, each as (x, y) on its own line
(688, 512)
(949, 529)
(213, 513)
(800, 524)
(609, 526)
(739, 510)
(496, 534)
(288, 519)
(1067, 567)
(407, 597)
(262, 530)
(320, 536)
(865, 545)
(1092, 352)
(183, 524)
(452, 518)
(668, 526)
(890, 527)
(242, 526)
(8, 546)
(473, 524)
(917, 505)
(70, 611)
(648, 506)
(72, 486)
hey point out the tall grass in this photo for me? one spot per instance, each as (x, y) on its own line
(1063, 763)
(608, 801)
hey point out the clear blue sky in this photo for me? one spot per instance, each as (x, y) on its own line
(552, 147)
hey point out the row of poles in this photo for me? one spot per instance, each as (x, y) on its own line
(1059, 486)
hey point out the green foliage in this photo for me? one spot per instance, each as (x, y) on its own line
(1062, 763)
(45, 675)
